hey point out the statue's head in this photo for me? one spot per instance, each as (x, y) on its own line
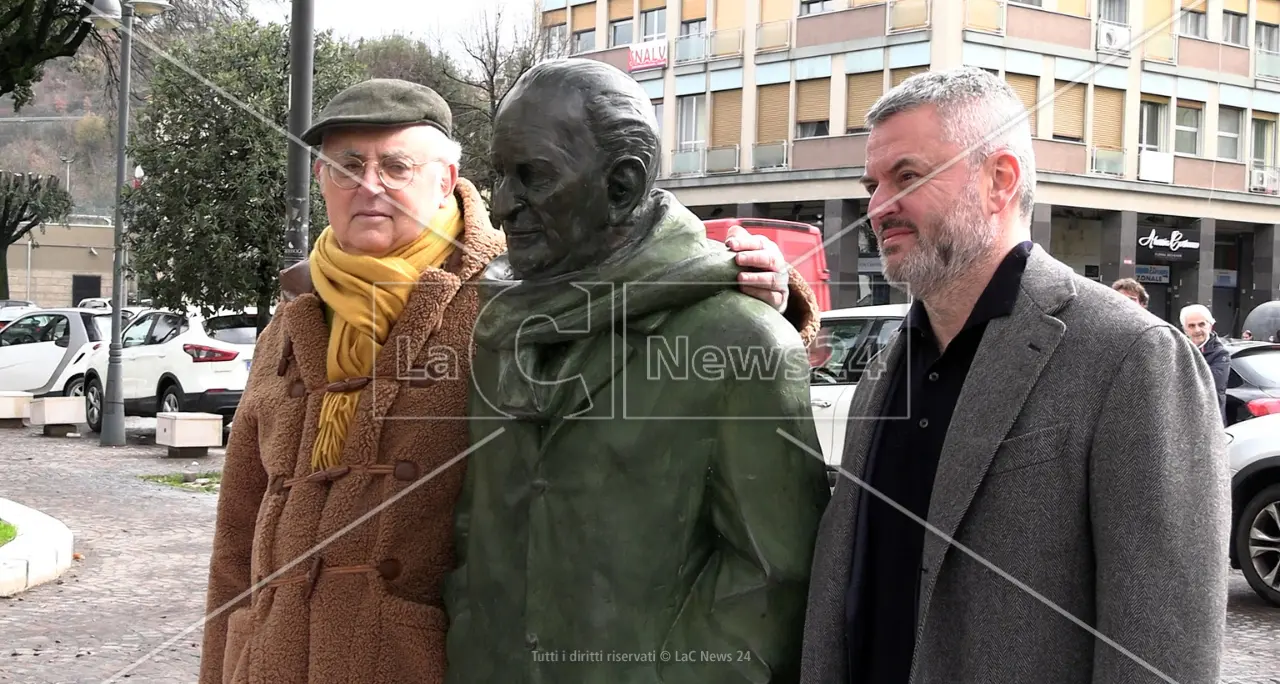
(576, 152)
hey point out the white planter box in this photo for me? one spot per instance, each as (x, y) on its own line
(15, 405)
(189, 429)
(57, 411)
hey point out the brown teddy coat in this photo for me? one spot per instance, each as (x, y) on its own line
(335, 577)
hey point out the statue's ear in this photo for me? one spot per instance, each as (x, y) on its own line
(627, 187)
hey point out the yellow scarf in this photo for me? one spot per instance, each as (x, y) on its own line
(367, 295)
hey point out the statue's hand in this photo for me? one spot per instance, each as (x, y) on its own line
(769, 283)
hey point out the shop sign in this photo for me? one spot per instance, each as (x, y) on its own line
(1169, 244)
(1146, 273)
(870, 265)
(648, 55)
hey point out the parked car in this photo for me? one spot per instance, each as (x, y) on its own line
(1254, 453)
(95, 303)
(10, 309)
(840, 356)
(45, 352)
(1253, 386)
(173, 362)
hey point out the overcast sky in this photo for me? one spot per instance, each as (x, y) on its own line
(370, 18)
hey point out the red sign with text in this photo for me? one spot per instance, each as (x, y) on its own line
(650, 55)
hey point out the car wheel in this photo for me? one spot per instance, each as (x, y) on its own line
(74, 388)
(94, 402)
(171, 400)
(1258, 543)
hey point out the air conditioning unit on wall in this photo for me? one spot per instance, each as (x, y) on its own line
(1263, 181)
(1155, 166)
(1113, 38)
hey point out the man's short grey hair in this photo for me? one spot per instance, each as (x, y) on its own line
(443, 148)
(979, 111)
(1195, 309)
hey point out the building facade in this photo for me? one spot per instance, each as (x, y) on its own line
(63, 264)
(1154, 122)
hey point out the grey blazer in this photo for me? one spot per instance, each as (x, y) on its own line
(1086, 464)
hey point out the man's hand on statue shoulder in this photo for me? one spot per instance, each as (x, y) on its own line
(768, 282)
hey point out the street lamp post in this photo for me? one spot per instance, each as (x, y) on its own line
(298, 187)
(105, 14)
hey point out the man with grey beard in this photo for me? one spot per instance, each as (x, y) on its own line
(1034, 485)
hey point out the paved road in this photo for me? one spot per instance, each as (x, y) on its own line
(146, 551)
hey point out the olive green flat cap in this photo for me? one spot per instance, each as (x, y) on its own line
(382, 102)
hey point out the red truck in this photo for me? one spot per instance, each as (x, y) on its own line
(800, 243)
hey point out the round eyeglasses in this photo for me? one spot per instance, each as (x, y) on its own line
(395, 174)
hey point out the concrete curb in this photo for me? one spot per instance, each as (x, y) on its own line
(40, 553)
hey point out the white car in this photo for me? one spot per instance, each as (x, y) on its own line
(172, 362)
(1254, 454)
(45, 352)
(848, 341)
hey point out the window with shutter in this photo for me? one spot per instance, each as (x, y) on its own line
(897, 76)
(1108, 118)
(813, 108)
(726, 118)
(773, 112)
(620, 9)
(584, 17)
(693, 9)
(862, 91)
(775, 10)
(554, 17)
(1267, 12)
(813, 100)
(646, 5)
(729, 15)
(1026, 87)
(1068, 111)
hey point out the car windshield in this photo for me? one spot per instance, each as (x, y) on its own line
(235, 329)
(1260, 369)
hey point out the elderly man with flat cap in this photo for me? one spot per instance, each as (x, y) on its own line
(334, 527)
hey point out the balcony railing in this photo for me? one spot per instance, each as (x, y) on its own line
(689, 160)
(691, 48)
(908, 15)
(771, 155)
(775, 35)
(986, 16)
(1114, 38)
(1161, 47)
(1264, 180)
(726, 43)
(723, 159)
(1268, 64)
(1106, 160)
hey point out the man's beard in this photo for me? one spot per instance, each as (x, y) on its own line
(953, 245)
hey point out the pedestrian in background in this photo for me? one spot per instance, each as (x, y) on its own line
(1197, 321)
(1132, 289)
(1061, 439)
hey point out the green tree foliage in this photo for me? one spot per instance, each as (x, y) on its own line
(33, 32)
(27, 201)
(206, 226)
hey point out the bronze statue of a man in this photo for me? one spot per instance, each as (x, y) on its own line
(636, 508)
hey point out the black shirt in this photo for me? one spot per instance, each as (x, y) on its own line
(883, 597)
